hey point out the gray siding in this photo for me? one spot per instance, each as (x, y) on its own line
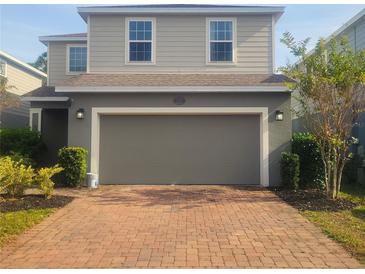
(57, 52)
(181, 44)
(16, 117)
(79, 131)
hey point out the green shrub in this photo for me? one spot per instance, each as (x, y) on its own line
(311, 165)
(289, 169)
(73, 161)
(23, 141)
(17, 157)
(15, 177)
(45, 183)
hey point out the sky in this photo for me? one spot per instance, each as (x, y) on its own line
(21, 25)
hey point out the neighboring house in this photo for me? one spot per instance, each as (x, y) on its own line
(354, 30)
(169, 94)
(23, 78)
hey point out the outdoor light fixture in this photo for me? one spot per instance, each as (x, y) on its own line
(279, 115)
(80, 113)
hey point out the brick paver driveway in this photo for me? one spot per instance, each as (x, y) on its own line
(181, 226)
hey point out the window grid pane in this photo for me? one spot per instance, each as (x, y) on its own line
(140, 44)
(221, 33)
(140, 51)
(220, 51)
(78, 59)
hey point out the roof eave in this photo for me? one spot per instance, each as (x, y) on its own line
(45, 99)
(171, 89)
(85, 11)
(46, 39)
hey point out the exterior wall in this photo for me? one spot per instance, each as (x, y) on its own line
(79, 131)
(22, 79)
(15, 117)
(57, 52)
(180, 45)
(356, 34)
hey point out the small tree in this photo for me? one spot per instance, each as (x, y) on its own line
(7, 99)
(330, 82)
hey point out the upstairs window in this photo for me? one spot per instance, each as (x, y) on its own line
(2, 67)
(140, 41)
(221, 37)
(77, 58)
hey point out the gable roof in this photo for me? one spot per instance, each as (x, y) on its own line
(180, 9)
(7, 56)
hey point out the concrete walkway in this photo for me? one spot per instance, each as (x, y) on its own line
(175, 226)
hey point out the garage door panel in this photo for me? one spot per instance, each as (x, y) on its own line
(179, 149)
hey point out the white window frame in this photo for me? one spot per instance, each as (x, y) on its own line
(234, 40)
(68, 46)
(5, 68)
(153, 41)
(35, 111)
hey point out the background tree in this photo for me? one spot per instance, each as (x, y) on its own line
(41, 62)
(330, 83)
(7, 99)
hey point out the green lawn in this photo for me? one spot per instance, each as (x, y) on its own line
(346, 226)
(14, 223)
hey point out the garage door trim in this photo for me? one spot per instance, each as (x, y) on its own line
(262, 111)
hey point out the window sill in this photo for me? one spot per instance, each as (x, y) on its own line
(75, 73)
(140, 63)
(221, 63)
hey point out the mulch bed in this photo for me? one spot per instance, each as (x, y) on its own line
(315, 200)
(32, 201)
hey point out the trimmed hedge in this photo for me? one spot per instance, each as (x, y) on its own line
(74, 163)
(21, 141)
(311, 165)
(289, 169)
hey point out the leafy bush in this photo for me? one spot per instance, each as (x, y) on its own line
(311, 165)
(43, 178)
(17, 157)
(23, 141)
(289, 169)
(15, 177)
(73, 161)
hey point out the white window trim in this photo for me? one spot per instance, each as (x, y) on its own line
(234, 40)
(96, 113)
(68, 46)
(153, 41)
(35, 111)
(6, 67)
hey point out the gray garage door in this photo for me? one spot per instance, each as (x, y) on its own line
(179, 149)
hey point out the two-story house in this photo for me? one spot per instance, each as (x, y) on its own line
(169, 94)
(22, 78)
